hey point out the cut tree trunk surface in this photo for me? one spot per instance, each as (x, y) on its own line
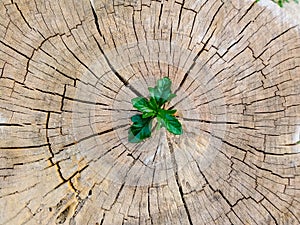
(68, 70)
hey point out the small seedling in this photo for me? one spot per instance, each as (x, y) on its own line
(154, 108)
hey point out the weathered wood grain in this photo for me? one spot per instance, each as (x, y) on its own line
(68, 70)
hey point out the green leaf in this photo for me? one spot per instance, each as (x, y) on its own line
(170, 122)
(153, 104)
(160, 122)
(170, 112)
(142, 123)
(143, 105)
(171, 96)
(140, 129)
(161, 93)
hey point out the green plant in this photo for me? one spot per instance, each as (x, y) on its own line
(280, 2)
(154, 108)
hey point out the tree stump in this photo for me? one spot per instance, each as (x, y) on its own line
(68, 70)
